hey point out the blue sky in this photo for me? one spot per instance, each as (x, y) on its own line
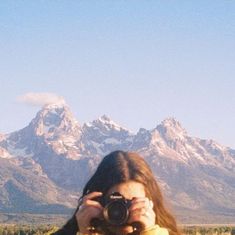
(138, 62)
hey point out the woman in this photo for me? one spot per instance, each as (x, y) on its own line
(129, 175)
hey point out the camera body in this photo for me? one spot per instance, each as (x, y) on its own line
(116, 209)
(115, 212)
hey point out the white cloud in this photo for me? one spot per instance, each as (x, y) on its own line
(41, 98)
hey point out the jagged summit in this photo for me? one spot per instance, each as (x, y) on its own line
(53, 125)
(55, 117)
(170, 128)
(106, 123)
(172, 123)
(103, 135)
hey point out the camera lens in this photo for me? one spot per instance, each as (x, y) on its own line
(116, 213)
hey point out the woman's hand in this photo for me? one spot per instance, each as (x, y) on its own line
(88, 210)
(141, 210)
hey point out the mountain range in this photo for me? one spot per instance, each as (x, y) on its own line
(44, 166)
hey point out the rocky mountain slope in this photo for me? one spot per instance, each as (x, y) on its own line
(44, 166)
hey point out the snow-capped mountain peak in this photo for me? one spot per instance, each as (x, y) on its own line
(54, 126)
(172, 123)
(54, 118)
(171, 129)
(103, 135)
(105, 124)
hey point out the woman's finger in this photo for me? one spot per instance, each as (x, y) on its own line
(89, 203)
(87, 200)
(92, 195)
(141, 203)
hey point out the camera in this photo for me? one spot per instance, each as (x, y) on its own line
(115, 212)
(116, 209)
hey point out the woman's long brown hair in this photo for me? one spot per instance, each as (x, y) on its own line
(119, 167)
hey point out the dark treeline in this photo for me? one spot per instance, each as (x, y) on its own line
(48, 229)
